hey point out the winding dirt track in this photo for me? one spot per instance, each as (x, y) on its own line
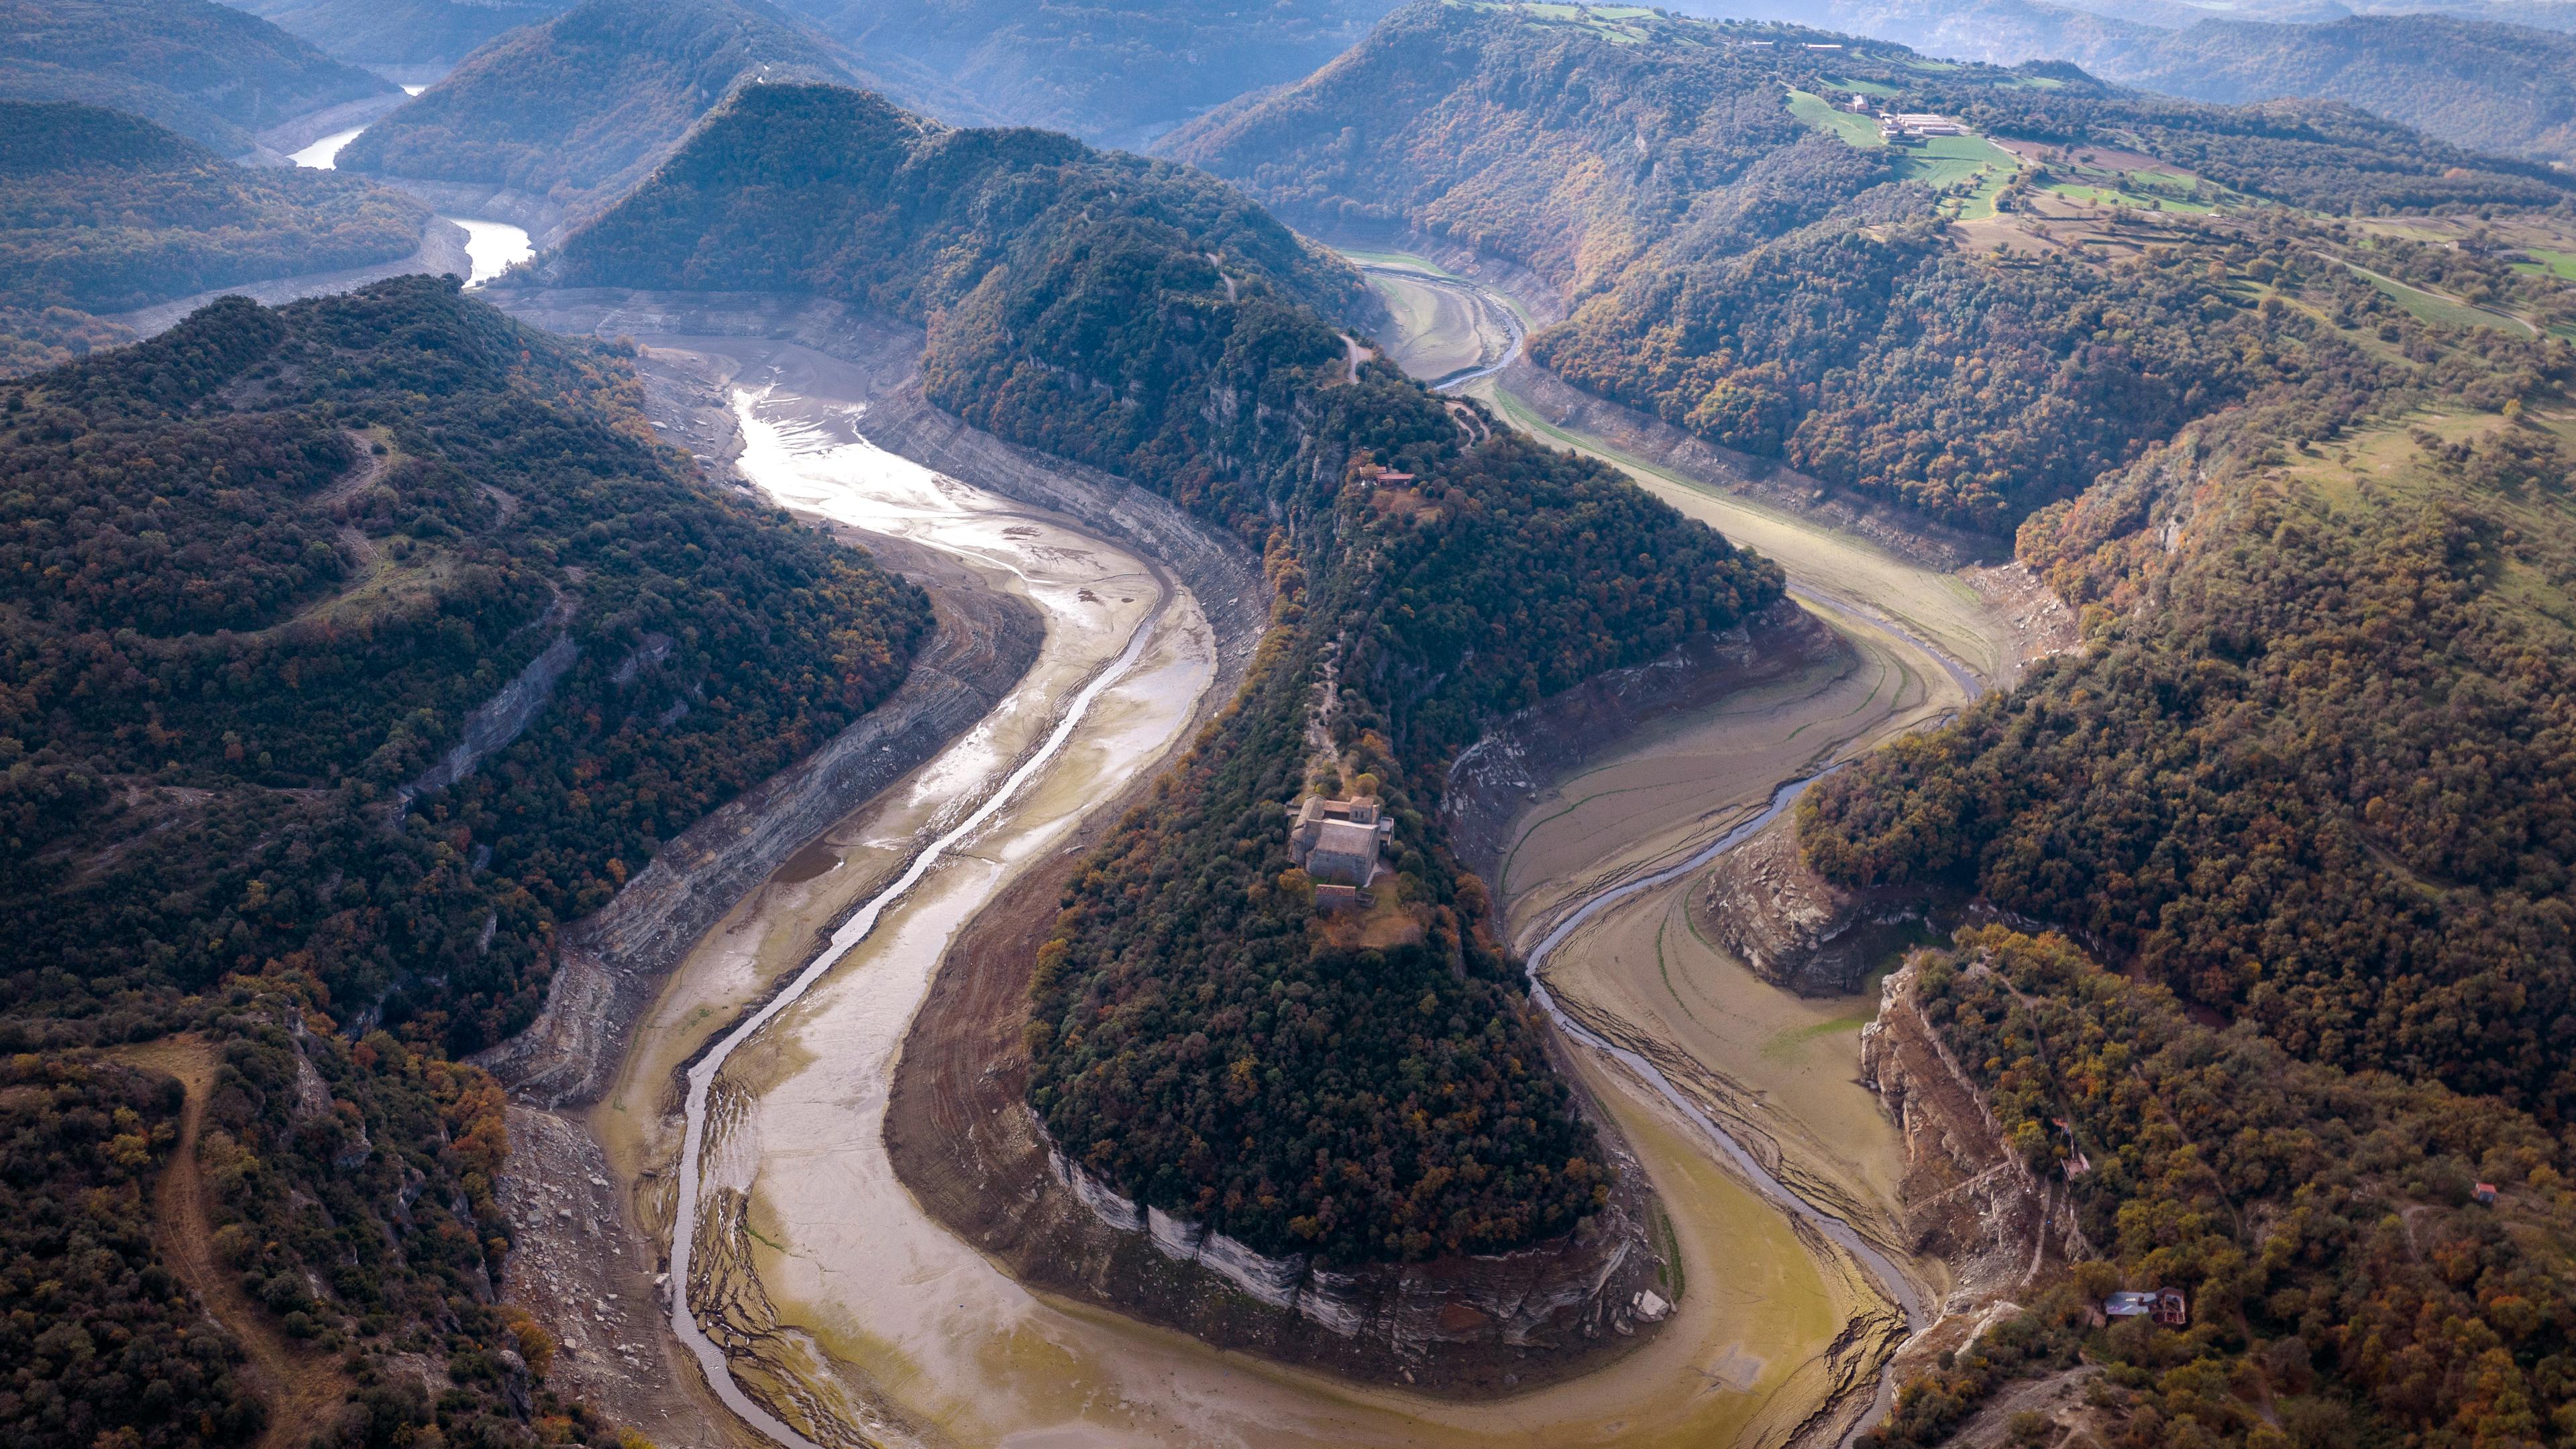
(301, 1389)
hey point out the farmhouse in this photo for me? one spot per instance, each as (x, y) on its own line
(2165, 1306)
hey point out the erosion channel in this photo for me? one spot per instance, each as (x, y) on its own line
(828, 1306)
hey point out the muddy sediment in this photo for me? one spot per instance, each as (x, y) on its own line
(1496, 782)
(963, 1141)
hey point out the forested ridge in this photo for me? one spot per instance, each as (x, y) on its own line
(1200, 1036)
(256, 573)
(2345, 1286)
(239, 629)
(207, 71)
(2303, 790)
(103, 212)
(578, 108)
(1766, 285)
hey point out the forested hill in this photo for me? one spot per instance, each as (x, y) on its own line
(1573, 141)
(411, 39)
(101, 213)
(1750, 263)
(207, 71)
(1115, 74)
(1200, 1037)
(2480, 82)
(2508, 89)
(579, 108)
(258, 571)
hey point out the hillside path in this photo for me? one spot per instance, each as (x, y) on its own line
(300, 1387)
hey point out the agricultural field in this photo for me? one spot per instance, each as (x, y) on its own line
(1815, 111)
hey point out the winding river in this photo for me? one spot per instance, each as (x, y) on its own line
(827, 1310)
(492, 247)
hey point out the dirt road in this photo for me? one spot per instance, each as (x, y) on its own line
(302, 1389)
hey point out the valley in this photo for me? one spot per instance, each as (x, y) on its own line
(1598, 728)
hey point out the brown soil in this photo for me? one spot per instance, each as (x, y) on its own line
(300, 1387)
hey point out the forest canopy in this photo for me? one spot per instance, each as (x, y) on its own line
(1200, 1035)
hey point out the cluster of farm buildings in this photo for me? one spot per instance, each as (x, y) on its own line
(1902, 126)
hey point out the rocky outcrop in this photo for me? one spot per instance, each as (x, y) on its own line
(1792, 926)
(498, 720)
(1966, 1198)
(1605, 1275)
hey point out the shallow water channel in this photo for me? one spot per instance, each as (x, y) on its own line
(491, 247)
(869, 1321)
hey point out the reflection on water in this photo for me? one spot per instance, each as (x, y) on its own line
(492, 246)
(324, 154)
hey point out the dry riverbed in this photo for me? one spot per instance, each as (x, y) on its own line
(1918, 631)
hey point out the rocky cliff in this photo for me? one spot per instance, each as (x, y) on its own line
(1792, 926)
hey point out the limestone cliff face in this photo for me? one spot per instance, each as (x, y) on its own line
(1602, 1280)
(1792, 926)
(1966, 1198)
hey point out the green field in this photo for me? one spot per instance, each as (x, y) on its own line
(2555, 264)
(1867, 88)
(1814, 110)
(1943, 160)
(2117, 196)
(2438, 310)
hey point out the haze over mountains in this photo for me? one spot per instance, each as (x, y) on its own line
(569, 114)
(206, 71)
(356, 654)
(2484, 78)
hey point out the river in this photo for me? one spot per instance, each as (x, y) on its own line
(845, 1308)
(491, 247)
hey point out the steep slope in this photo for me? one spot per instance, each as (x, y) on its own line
(411, 40)
(206, 71)
(576, 110)
(1142, 318)
(353, 647)
(1748, 262)
(101, 212)
(1116, 75)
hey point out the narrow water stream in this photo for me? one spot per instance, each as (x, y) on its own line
(914, 1338)
(491, 247)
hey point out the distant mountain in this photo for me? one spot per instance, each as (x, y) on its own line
(101, 213)
(575, 111)
(211, 73)
(1116, 74)
(405, 39)
(2474, 81)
